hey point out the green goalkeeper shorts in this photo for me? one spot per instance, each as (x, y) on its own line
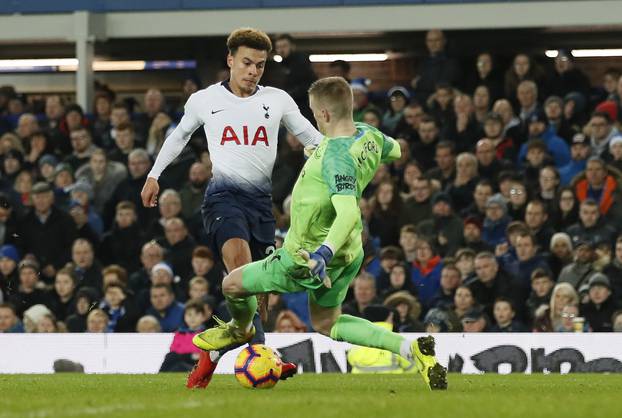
(279, 273)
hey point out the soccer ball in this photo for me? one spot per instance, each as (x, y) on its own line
(258, 366)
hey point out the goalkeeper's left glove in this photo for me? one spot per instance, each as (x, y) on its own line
(317, 262)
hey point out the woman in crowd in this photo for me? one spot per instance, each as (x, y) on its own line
(548, 319)
(288, 321)
(399, 280)
(384, 222)
(463, 301)
(567, 212)
(398, 99)
(62, 295)
(523, 68)
(561, 253)
(549, 183)
(408, 310)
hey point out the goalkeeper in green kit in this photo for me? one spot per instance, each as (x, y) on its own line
(322, 252)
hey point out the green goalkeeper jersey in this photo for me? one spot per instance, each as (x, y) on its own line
(343, 166)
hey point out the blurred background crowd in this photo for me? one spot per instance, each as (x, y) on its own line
(503, 213)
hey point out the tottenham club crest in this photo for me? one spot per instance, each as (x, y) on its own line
(266, 108)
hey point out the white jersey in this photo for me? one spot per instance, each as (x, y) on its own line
(242, 135)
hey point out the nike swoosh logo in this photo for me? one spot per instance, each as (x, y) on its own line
(217, 111)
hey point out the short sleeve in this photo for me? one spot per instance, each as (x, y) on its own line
(339, 169)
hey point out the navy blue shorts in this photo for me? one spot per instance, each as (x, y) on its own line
(228, 215)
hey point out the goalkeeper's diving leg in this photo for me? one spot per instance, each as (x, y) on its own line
(240, 286)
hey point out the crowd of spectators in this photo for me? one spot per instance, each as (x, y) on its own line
(503, 213)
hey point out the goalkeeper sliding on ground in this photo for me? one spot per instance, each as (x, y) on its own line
(325, 220)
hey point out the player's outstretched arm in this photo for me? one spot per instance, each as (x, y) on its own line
(177, 140)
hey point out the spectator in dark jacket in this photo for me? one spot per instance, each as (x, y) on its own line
(489, 282)
(169, 207)
(450, 280)
(122, 243)
(61, 299)
(47, 232)
(541, 289)
(614, 272)
(9, 278)
(120, 308)
(536, 218)
(496, 221)
(483, 190)
(527, 260)
(130, 188)
(387, 206)
(445, 227)
(364, 295)
(437, 67)
(178, 245)
(399, 280)
(591, 226)
(86, 299)
(408, 310)
(28, 294)
(8, 221)
(599, 310)
(504, 315)
(567, 78)
(561, 253)
(298, 71)
(151, 254)
(417, 208)
(462, 188)
(87, 269)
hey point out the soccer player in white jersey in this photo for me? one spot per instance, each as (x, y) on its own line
(241, 121)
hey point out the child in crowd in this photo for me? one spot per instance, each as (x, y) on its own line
(183, 353)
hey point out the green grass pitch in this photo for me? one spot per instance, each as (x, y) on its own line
(311, 395)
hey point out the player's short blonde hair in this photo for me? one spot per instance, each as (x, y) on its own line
(335, 94)
(248, 37)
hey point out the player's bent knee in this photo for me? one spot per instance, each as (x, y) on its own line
(232, 285)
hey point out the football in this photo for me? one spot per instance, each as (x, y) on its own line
(258, 366)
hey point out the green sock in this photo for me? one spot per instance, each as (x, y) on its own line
(360, 331)
(242, 311)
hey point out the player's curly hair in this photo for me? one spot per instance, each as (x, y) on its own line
(248, 37)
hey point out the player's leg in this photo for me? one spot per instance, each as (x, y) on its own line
(228, 236)
(326, 318)
(236, 252)
(239, 288)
